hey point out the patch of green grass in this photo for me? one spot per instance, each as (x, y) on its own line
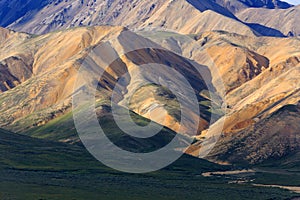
(63, 128)
(44, 169)
(284, 171)
(277, 178)
(33, 168)
(57, 129)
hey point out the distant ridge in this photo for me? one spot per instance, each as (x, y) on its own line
(236, 6)
(184, 16)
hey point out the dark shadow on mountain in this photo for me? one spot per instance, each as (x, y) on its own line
(204, 5)
(265, 31)
(271, 4)
(15, 9)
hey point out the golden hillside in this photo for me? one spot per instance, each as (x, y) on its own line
(259, 75)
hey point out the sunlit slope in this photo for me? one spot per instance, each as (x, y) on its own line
(185, 16)
(46, 93)
(260, 77)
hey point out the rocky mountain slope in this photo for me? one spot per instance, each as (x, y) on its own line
(46, 93)
(284, 20)
(200, 17)
(270, 86)
(260, 76)
(206, 15)
(260, 141)
(203, 15)
(256, 76)
(14, 69)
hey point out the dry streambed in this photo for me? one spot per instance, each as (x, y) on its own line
(242, 177)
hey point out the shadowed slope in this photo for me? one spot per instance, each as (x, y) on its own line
(284, 20)
(236, 6)
(272, 138)
(13, 10)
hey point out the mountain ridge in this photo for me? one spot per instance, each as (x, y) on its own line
(257, 75)
(236, 6)
(68, 14)
(248, 65)
(284, 20)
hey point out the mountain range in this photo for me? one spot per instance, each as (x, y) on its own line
(248, 53)
(38, 17)
(256, 66)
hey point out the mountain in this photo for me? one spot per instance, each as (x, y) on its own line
(266, 16)
(284, 20)
(15, 69)
(250, 144)
(263, 84)
(259, 76)
(201, 19)
(267, 3)
(133, 14)
(46, 93)
(13, 10)
(237, 6)
(206, 15)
